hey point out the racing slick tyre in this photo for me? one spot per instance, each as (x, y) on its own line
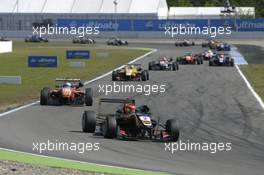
(144, 76)
(44, 96)
(172, 129)
(147, 75)
(175, 66)
(114, 75)
(150, 66)
(232, 63)
(110, 127)
(193, 43)
(210, 63)
(88, 97)
(198, 61)
(201, 59)
(88, 122)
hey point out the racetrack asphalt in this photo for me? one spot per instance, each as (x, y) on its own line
(212, 104)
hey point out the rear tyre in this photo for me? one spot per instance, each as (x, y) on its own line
(232, 63)
(210, 63)
(172, 129)
(114, 75)
(150, 66)
(144, 76)
(88, 122)
(88, 97)
(44, 96)
(110, 127)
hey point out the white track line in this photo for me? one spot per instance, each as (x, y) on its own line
(76, 161)
(86, 83)
(250, 87)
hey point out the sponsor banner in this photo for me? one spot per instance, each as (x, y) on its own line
(42, 61)
(77, 64)
(109, 25)
(77, 54)
(10, 80)
(103, 24)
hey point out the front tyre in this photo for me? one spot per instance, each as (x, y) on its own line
(172, 129)
(110, 127)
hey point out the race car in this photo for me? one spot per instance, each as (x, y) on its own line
(3, 39)
(36, 39)
(184, 42)
(207, 55)
(221, 59)
(217, 45)
(211, 43)
(67, 92)
(117, 42)
(130, 72)
(83, 40)
(128, 122)
(164, 63)
(190, 58)
(223, 47)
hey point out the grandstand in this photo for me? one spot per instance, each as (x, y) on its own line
(20, 14)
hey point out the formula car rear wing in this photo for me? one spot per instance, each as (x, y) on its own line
(60, 81)
(115, 100)
(101, 116)
(67, 79)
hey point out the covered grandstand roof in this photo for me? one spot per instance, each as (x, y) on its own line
(83, 6)
(206, 12)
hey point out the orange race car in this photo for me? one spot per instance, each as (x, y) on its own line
(67, 92)
(190, 58)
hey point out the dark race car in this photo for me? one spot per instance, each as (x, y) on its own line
(3, 39)
(83, 40)
(164, 63)
(223, 47)
(117, 42)
(36, 39)
(130, 72)
(221, 60)
(190, 58)
(216, 45)
(67, 92)
(128, 122)
(184, 42)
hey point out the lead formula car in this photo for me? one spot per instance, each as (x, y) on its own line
(128, 122)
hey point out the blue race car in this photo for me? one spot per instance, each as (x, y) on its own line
(221, 60)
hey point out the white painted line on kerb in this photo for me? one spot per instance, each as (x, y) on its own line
(86, 83)
(250, 87)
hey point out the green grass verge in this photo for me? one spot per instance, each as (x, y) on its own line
(255, 74)
(34, 79)
(254, 71)
(61, 163)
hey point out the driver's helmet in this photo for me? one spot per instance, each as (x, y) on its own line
(67, 84)
(221, 56)
(132, 66)
(129, 108)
